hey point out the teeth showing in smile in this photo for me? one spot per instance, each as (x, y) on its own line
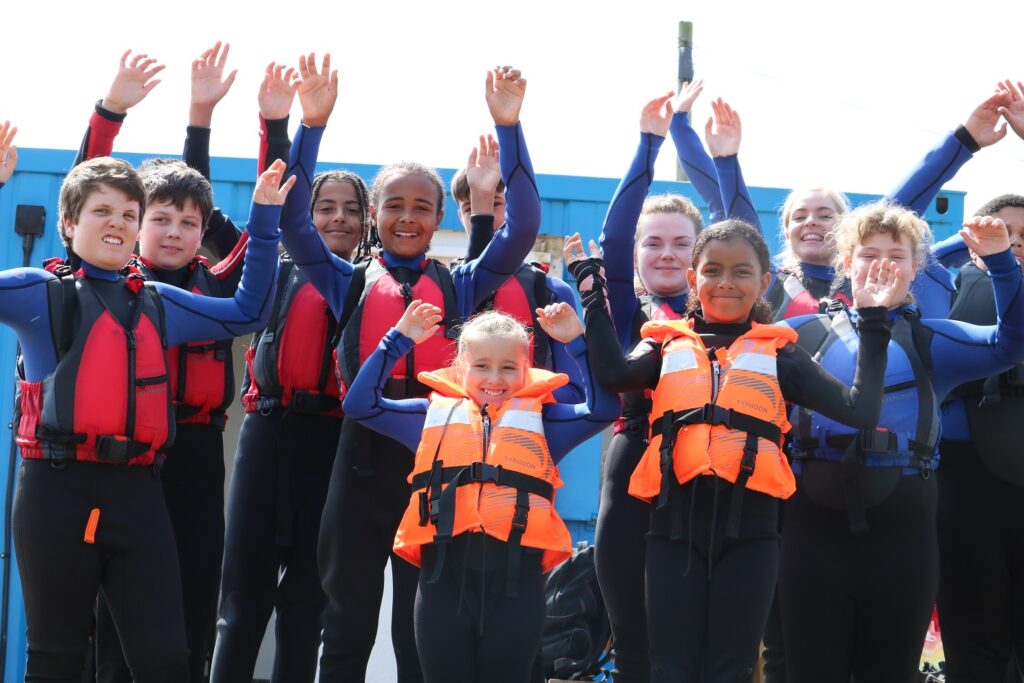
(493, 392)
(113, 240)
(405, 234)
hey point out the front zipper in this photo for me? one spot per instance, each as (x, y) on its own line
(129, 423)
(486, 420)
(716, 373)
(410, 358)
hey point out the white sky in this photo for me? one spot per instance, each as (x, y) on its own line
(844, 94)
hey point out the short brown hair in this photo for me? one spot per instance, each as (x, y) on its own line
(460, 186)
(175, 182)
(87, 177)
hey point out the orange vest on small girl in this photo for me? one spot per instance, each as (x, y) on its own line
(724, 416)
(485, 470)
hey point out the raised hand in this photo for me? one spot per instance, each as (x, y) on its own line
(1013, 112)
(8, 152)
(985, 235)
(208, 83)
(317, 90)
(483, 170)
(688, 94)
(656, 115)
(577, 261)
(723, 130)
(134, 80)
(983, 122)
(269, 190)
(277, 91)
(420, 321)
(505, 91)
(560, 321)
(880, 284)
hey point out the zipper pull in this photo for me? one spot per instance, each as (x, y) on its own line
(716, 371)
(487, 429)
(407, 293)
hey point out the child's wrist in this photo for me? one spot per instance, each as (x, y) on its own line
(200, 115)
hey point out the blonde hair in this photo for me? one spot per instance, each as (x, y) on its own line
(882, 217)
(671, 203)
(491, 324)
(789, 260)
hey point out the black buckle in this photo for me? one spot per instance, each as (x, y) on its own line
(519, 518)
(484, 473)
(424, 508)
(312, 402)
(878, 441)
(115, 448)
(713, 414)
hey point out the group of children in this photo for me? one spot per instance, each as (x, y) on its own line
(400, 409)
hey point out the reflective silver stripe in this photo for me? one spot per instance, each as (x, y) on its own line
(756, 362)
(526, 420)
(437, 415)
(676, 361)
(793, 287)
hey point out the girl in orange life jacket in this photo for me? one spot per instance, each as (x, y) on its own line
(714, 470)
(368, 490)
(481, 521)
(288, 438)
(650, 238)
(859, 563)
(88, 512)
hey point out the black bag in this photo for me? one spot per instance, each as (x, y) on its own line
(577, 634)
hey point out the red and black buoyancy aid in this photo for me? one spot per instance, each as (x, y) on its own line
(636, 405)
(108, 400)
(202, 373)
(377, 301)
(291, 363)
(789, 297)
(520, 297)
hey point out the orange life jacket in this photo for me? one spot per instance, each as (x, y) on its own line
(485, 469)
(724, 416)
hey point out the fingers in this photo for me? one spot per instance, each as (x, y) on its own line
(572, 248)
(595, 252)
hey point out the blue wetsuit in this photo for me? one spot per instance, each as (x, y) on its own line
(844, 610)
(134, 543)
(368, 492)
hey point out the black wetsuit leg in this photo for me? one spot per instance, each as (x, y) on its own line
(192, 477)
(278, 486)
(133, 561)
(859, 604)
(619, 544)
(469, 630)
(366, 499)
(708, 596)
(981, 550)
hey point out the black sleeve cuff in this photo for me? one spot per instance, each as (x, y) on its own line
(277, 131)
(109, 115)
(966, 139)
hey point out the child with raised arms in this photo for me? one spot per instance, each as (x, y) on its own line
(859, 566)
(288, 437)
(481, 522)
(714, 471)
(368, 491)
(95, 415)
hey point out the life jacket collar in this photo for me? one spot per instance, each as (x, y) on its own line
(540, 383)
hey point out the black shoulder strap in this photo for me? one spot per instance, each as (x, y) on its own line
(541, 342)
(62, 294)
(355, 292)
(443, 277)
(284, 274)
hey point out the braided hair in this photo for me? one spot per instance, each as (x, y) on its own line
(368, 231)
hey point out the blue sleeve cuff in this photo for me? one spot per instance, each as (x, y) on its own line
(263, 221)
(577, 347)
(398, 343)
(1002, 263)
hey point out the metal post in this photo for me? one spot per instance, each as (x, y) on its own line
(685, 72)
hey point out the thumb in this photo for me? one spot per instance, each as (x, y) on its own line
(231, 78)
(707, 127)
(594, 251)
